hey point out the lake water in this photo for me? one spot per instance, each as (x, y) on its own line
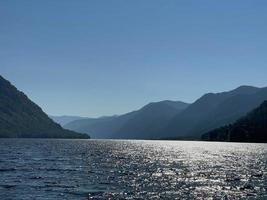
(113, 169)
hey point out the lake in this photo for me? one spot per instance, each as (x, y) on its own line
(120, 169)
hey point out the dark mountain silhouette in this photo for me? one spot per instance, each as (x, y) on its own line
(63, 120)
(215, 110)
(251, 128)
(20, 117)
(148, 122)
(168, 119)
(141, 124)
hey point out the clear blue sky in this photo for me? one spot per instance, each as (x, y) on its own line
(97, 57)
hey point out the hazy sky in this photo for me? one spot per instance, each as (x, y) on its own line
(102, 57)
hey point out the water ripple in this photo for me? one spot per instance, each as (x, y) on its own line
(110, 169)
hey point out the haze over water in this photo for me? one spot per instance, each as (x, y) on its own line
(117, 169)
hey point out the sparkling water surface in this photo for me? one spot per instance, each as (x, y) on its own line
(120, 169)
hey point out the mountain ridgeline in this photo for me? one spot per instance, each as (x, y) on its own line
(149, 121)
(214, 110)
(145, 123)
(21, 118)
(251, 128)
(63, 120)
(174, 119)
(207, 118)
(98, 128)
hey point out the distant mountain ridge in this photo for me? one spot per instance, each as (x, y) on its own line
(213, 110)
(172, 119)
(65, 119)
(21, 118)
(97, 127)
(250, 128)
(148, 120)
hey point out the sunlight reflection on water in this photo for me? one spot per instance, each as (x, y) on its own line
(113, 169)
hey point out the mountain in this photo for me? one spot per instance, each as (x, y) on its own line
(251, 128)
(141, 124)
(98, 128)
(63, 120)
(21, 118)
(214, 110)
(148, 122)
(170, 119)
